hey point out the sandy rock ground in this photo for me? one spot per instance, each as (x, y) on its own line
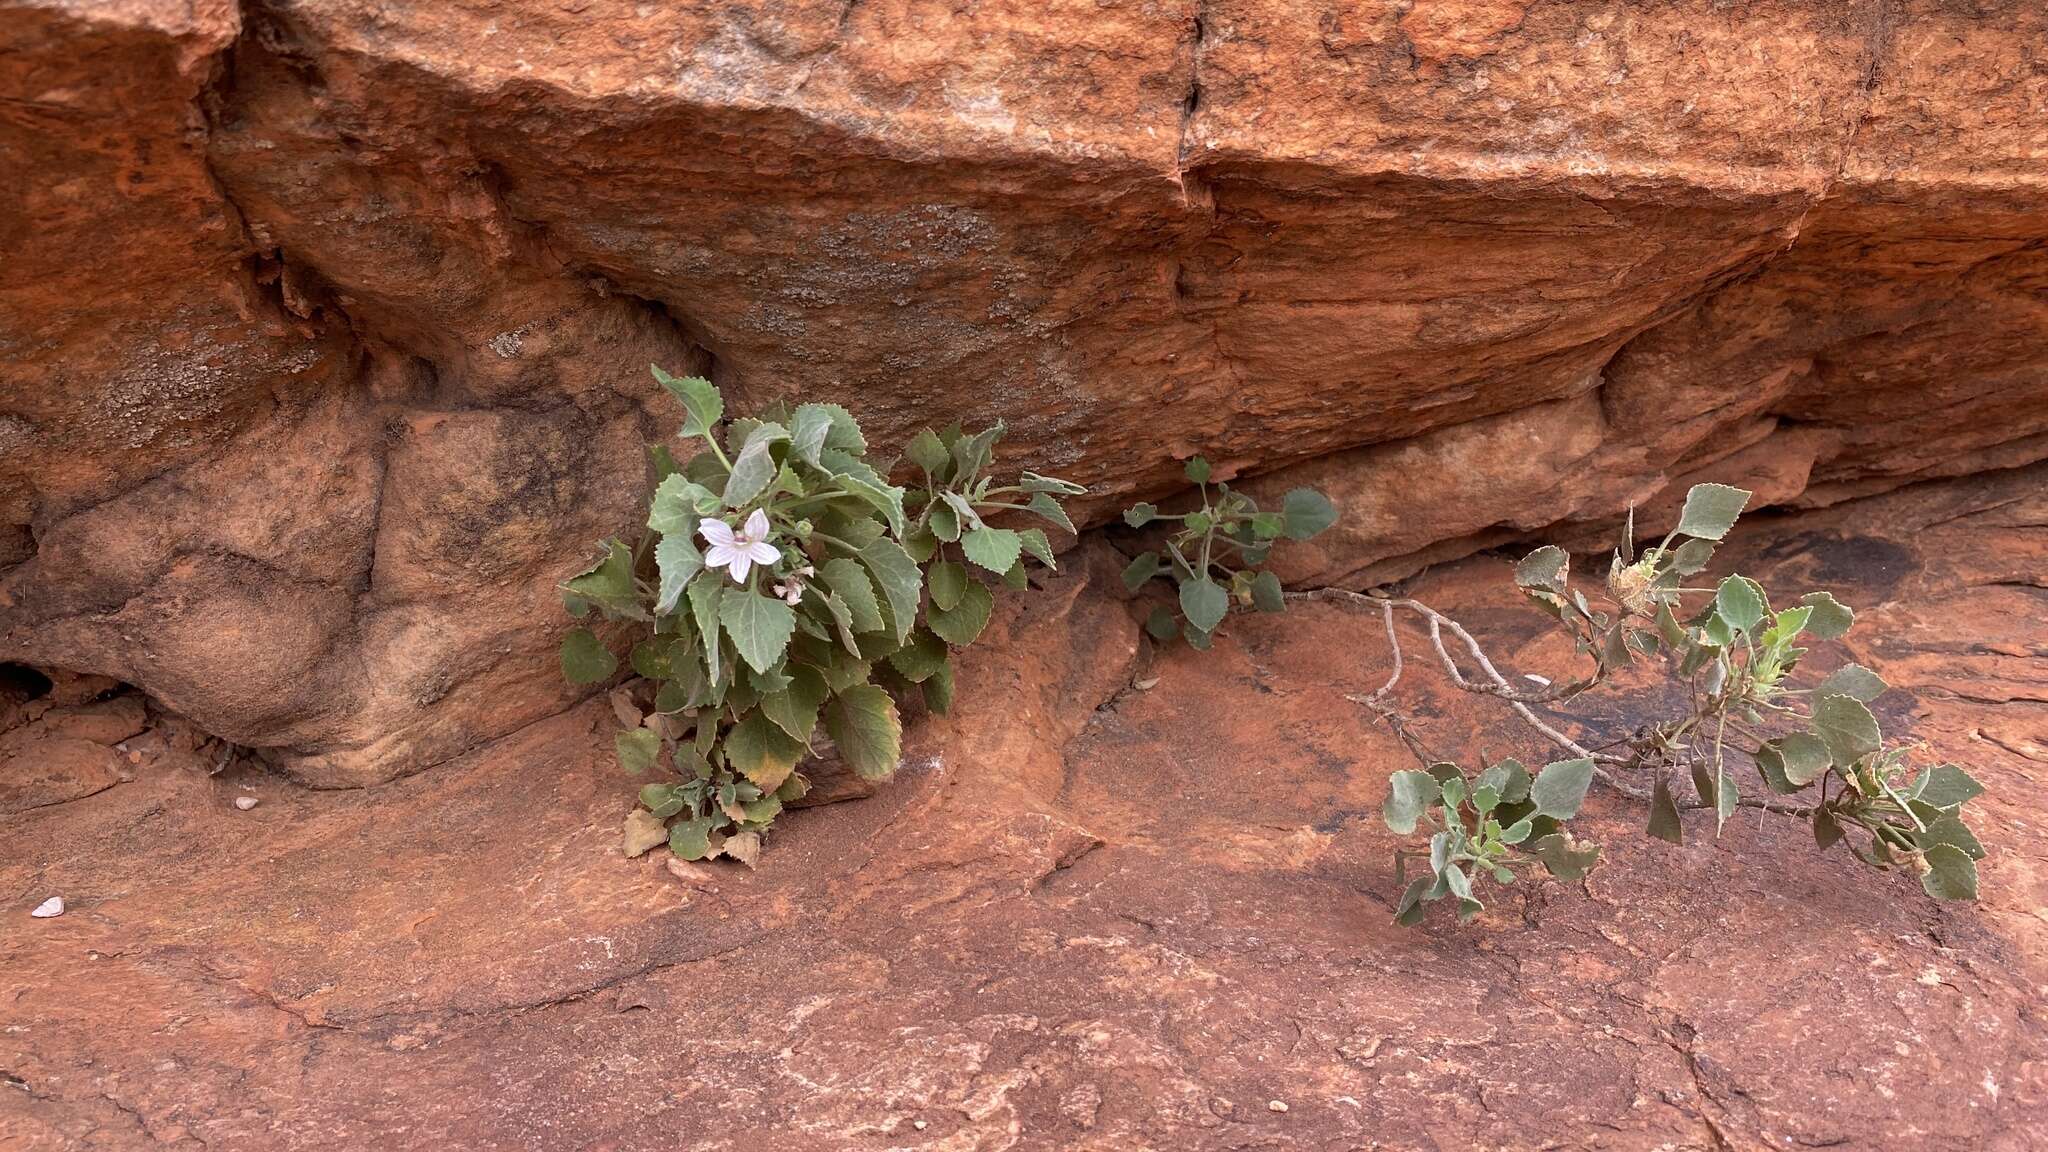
(1088, 916)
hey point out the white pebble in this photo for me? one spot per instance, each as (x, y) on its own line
(245, 802)
(54, 906)
(919, 1125)
(1276, 1105)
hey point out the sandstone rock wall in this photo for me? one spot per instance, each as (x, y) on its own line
(326, 322)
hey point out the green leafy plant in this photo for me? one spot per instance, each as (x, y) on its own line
(822, 593)
(1486, 825)
(1746, 736)
(1214, 556)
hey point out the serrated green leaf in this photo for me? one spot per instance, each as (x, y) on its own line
(1711, 510)
(1037, 546)
(1049, 508)
(943, 521)
(1267, 595)
(637, 749)
(1139, 515)
(807, 431)
(691, 839)
(700, 400)
(946, 582)
(962, 624)
(921, 658)
(1846, 727)
(992, 548)
(1736, 601)
(929, 452)
(1831, 618)
(1033, 482)
(1949, 829)
(862, 721)
(938, 690)
(760, 626)
(1204, 603)
(1141, 569)
(1410, 793)
(845, 435)
(662, 800)
(972, 453)
(1564, 857)
(609, 583)
(1804, 757)
(679, 503)
(1946, 786)
(762, 752)
(754, 468)
(1197, 470)
(902, 585)
(1664, 822)
(677, 560)
(1305, 513)
(846, 578)
(1560, 788)
(794, 709)
(1854, 681)
(1547, 568)
(1161, 624)
(585, 659)
(882, 497)
(1951, 874)
(1692, 557)
(704, 604)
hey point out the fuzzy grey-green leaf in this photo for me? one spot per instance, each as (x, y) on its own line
(1204, 603)
(585, 659)
(760, 626)
(1410, 794)
(995, 549)
(1711, 510)
(1560, 788)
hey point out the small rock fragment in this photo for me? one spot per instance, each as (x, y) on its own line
(695, 875)
(919, 1125)
(246, 802)
(54, 906)
(1147, 684)
(1276, 1105)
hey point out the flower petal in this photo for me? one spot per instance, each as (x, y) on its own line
(763, 553)
(720, 555)
(757, 524)
(741, 563)
(716, 531)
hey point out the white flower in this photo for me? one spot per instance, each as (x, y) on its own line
(790, 592)
(738, 552)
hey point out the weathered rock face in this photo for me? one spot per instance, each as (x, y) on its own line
(1089, 916)
(327, 322)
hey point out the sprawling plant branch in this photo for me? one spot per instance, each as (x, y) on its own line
(1733, 654)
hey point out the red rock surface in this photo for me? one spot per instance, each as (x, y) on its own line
(325, 322)
(1089, 916)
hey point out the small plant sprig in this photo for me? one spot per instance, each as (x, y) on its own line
(1733, 655)
(1478, 821)
(821, 589)
(1214, 556)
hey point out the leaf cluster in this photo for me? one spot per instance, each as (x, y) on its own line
(1214, 556)
(873, 586)
(1486, 826)
(1748, 735)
